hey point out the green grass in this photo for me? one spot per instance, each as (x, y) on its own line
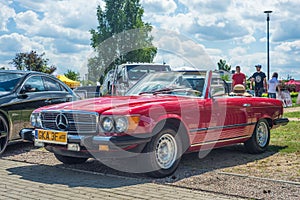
(292, 114)
(286, 139)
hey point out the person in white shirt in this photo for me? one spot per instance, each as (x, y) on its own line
(273, 83)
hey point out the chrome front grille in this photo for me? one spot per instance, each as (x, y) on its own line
(78, 122)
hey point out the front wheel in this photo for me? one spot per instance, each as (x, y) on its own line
(260, 138)
(164, 153)
(4, 136)
(70, 160)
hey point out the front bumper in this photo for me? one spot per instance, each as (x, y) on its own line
(90, 143)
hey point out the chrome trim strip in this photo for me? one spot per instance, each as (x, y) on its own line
(221, 127)
(70, 111)
(219, 141)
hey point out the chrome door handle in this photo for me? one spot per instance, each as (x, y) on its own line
(246, 105)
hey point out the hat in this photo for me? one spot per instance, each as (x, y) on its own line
(239, 88)
(259, 66)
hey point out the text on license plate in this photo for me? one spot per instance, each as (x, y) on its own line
(48, 136)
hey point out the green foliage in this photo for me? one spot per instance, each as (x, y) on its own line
(294, 94)
(223, 66)
(120, 37)
(264, 95)
(225, 77)
(32, 62)
(286, 138)
(72, 75)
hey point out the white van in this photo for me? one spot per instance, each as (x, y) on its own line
(119, 80)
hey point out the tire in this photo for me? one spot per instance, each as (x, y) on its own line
(259, 141)
(164, 153)
(4, 134)
(70, 160)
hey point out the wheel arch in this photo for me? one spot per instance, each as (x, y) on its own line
(178, 126)
(269, 120)
(9, 122)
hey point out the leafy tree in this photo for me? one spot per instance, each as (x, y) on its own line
(120, 37)
(33, 62)
(223, 66)
(72, 75)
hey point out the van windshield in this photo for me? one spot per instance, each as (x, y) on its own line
(135, 72)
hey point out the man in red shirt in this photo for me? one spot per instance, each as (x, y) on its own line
(238, 77)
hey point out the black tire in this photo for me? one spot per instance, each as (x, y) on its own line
(164, 152)
(4, 134)
(259, 141)
(70, 160)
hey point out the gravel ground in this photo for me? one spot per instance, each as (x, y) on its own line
(229, 171)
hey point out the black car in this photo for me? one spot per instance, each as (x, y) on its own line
(20, 93)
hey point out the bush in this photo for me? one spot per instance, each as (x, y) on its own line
(294, 94)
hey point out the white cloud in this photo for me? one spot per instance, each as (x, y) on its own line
(164, 7)
(5, 15)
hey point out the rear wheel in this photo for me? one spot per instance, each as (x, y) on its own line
(4, 134)
(69, 159)
(164, 152)
(260, 138)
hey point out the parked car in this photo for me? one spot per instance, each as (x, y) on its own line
(163, 116)
(21, 92)
(86, 92)
(119, 80)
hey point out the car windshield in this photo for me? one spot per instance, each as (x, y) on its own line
(8, 81)
(171, 83)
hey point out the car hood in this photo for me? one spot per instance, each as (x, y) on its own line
(102, 104)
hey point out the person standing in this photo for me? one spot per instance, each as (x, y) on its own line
(259, 78)
(273, 83)
(238, 77)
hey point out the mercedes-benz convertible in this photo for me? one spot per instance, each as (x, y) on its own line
(163, 116)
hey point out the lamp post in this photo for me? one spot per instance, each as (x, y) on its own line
(268, 43)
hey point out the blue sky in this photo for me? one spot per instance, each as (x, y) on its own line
(233, 30)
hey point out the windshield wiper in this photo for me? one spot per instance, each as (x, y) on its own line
(167, 90)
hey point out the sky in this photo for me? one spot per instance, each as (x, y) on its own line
(187, 33)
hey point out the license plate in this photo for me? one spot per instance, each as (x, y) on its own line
(50, 136)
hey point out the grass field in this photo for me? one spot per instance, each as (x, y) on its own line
(287, 138)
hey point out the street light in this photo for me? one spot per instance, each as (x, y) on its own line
(268, 39)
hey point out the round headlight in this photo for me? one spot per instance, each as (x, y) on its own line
(121, 124)
(38, 121)
(33, 120)
(107, 124)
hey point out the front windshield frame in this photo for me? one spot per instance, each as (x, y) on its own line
(9, 81)
(171, 83)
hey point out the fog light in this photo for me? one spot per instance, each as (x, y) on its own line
(73, 147)
(103, 148)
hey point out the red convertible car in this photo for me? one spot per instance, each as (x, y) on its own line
(163, 116)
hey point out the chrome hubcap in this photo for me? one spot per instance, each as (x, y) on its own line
(262, 134)
(166, 151)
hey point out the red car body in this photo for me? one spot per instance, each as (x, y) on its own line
(160, 125)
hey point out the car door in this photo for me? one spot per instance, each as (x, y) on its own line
(32, 95)
(230, 116)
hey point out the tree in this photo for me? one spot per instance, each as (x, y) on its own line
(223, 66)
(120, 37)
(72, 75)
(32, 62)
